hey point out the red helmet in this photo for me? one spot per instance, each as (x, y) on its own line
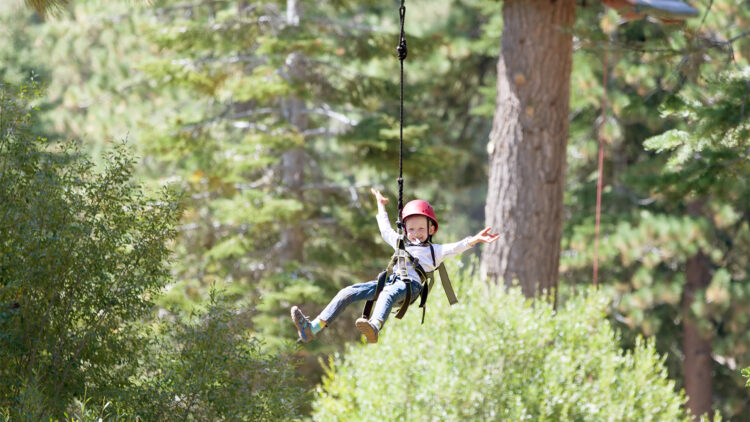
(419, 207)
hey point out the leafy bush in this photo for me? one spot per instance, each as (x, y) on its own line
(207, 368)
(82, 252)
(203, 368)
(499, 356)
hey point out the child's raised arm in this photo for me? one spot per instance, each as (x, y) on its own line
(484, 236)
(386, 231)
(382, 200)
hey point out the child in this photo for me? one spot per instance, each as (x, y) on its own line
(420, 224)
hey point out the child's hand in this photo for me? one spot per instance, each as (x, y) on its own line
(382, 200)
(484, 236)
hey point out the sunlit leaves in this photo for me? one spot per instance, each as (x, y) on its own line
(83, 253)
(498, 356)
(207, 360)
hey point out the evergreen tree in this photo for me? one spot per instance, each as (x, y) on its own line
(88, 61)
(529, 137)
(121, 68)
(291, 118)
(673, 232)
(275, 207)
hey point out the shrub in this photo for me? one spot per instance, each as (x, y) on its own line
(82, 255)
(82, 252)
(207, 368)
(499, 356)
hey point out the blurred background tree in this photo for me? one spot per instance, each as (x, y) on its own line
(674, 208)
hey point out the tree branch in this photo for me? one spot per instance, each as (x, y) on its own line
(325, 110)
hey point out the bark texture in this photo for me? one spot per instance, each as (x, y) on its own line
(696, 346)
(527, 144)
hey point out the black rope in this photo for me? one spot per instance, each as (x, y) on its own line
(401, 50)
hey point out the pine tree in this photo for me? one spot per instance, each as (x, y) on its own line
(674, 235)
(292, 114)
(196, 90)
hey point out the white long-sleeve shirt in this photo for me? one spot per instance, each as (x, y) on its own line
(422, 253)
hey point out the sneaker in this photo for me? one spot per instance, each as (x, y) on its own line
(304, 327)
(368, 329)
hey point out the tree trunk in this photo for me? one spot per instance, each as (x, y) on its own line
(696, 346)
(292, 235)
(293, 161)
(527, 144)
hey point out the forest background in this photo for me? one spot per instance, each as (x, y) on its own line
(273, 120)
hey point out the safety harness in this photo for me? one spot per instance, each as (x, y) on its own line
(426, 280)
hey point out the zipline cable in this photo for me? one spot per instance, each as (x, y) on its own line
(401, 50)
(402, 254)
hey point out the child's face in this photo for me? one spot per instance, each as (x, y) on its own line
(417, 229)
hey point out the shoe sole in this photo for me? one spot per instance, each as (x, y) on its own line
(366, 329)
(300, 332)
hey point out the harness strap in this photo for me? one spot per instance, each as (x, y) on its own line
(367, 312)
(444, 279)
(452, 299)
(404, 276)
(427, 281)
(427, 286)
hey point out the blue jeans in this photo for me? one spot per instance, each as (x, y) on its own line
(393, 293)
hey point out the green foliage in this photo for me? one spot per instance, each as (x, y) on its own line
(283, 125)
(256, 147)
(48, 7)
(499, 356)
(205, 366)
(82, 255)
(708, 157)
(87, 59)
(201, 366)
(84, 410)
(746, 374)
(204, 91)
(675, 134)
